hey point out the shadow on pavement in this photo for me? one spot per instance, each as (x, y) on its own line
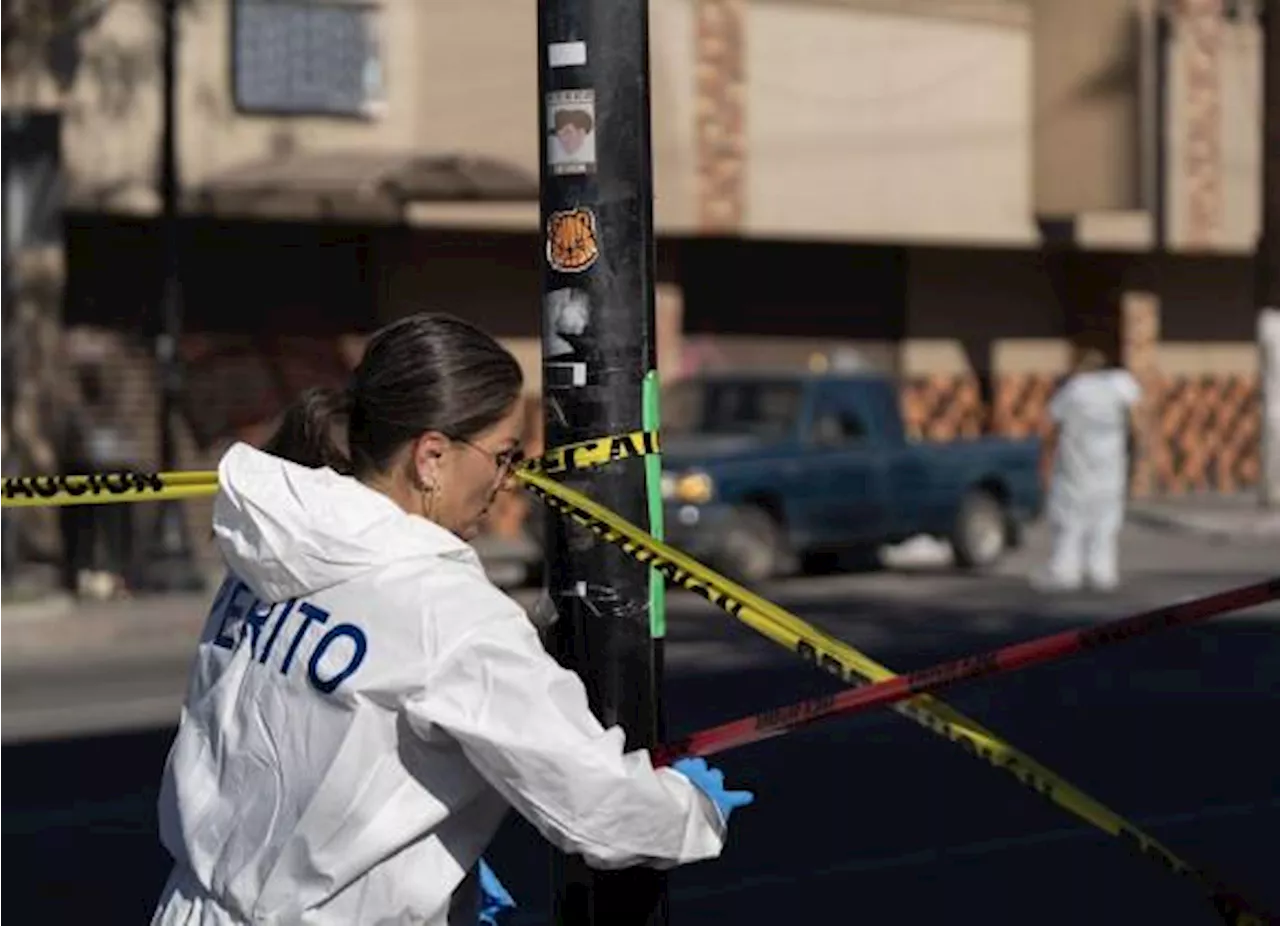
(869, 819)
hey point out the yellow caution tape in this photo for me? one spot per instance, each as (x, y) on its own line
(591, 453)
(104, 488)
(854, 668)
(763, 616)
(132, 486)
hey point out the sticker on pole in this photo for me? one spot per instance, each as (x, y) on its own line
(573, 244)
(566, 54)
(571, 131)
(568, 346)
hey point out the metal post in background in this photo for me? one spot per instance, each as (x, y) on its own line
(1268, 258)
(12, 356)
(170, 561)
(599, 359)
(1162, 36)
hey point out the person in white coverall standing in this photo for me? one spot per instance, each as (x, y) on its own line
(1089, 459)
(365, 706)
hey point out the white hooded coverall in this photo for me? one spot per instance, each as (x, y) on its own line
(1090, 475)
(365, 707)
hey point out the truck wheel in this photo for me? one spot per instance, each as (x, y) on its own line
(981, 534)
(754, 547)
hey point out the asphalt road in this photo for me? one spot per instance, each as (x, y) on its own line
(867, 820)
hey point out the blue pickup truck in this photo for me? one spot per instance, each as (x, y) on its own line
(762, 470)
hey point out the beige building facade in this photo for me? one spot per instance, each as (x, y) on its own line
(923, 182)
(937, 122)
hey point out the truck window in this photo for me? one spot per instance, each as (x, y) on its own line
(768, 410)
(835, 427)
(838, 417)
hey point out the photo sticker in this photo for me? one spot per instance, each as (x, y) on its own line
(567, 316)
(572, 241)
(567, 342)
(571, 131)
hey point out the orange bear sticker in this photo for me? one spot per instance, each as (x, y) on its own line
(572, 241)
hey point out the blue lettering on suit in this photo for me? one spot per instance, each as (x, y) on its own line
(240, 616)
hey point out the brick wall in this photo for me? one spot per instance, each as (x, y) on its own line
(1206, 427)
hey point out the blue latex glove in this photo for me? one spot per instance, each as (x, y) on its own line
(494, 898)
(711, 782)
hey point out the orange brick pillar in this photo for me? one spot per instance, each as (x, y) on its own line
(669, 322)
(1139, 346)
(720, 53)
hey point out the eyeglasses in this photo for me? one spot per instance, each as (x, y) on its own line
(504, 460)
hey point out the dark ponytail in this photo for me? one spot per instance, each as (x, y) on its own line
(425, 372)
(312, 431)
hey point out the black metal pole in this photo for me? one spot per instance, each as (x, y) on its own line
(171, 293)
(1268, 278)
(1267, 258)
(1160, 118)
(7, 314)
(9, 344)
(170, 563)
(598, 356)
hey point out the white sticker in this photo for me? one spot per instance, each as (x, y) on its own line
(566, 54)
(571, 131)
(566, 375)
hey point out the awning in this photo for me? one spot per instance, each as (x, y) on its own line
(361, 185)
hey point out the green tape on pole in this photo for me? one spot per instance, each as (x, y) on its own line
(652, 417)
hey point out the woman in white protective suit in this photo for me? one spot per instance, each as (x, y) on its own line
(364, 706)
(1088, 452)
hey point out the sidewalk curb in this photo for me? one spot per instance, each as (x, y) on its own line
(1263, 527)
(44, 608)
(59, 657)
(60, 629)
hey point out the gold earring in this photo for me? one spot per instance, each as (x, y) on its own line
(429, 500)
